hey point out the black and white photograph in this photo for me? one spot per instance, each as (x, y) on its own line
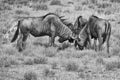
(59, 39)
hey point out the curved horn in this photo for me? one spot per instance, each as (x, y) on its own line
(62, 16)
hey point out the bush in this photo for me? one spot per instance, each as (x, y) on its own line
(29, 61)
(40, 7)
(40, 60)
(55, 2)
(116, 1)
(30, 76)
(103, 5)
(50, 52)
(19, 12)
(48, 73)
(113, 65)
(64, 46)
(72, 66)
(54, 65)
(7, 61)
(5, 7)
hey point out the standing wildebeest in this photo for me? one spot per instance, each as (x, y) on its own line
(50, 24)
(96, 28)
(78, 26)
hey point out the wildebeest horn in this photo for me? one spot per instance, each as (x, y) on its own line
(62, 16)
(63, 19)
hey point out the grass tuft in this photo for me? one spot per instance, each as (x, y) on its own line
(72, 66)
(55, 2)
(113, 65)
(30, 76)
(40, 60)
(48, 73)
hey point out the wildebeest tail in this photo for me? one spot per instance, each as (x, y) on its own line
(16, 32)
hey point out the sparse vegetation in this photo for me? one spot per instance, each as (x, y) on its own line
(113, 65)
(30, 75)
(55, 2)
(72, 66)
(40, 7)
(48, 73)
(50, 52)
(64, 62)
(40, 60)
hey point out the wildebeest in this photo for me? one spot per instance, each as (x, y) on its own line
(96, 28)
(76, 28)
(50, 24)
(79, 24)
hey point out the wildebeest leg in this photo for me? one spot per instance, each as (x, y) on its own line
(89, 40)
(24, 40)
(20, 43)
(107, 40)
(53, 39)
(49, 44)
(100, 39)
(52, 34)
(76, 44)
(94, 45)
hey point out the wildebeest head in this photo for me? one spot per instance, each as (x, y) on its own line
(70, 39)
(82, 38)
(79, 24)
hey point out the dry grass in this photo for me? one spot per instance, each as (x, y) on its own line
(48, 73)
(40, 60)
(30, 76)
(40, 7)
(65, 62)
(55, 2)
(113, 65)
(71, 66)
(50, 52)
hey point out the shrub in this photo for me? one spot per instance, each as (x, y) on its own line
(19, 12)
(113, 65)
(94, 1)
(116, 1)
(48, 73)
(5, 7)
(71, 66)
(54, 65)
(50, 52)
(40, 60)
(30, 76)
(103, 5)
(7, 61)
(29, 61)
(100, 61)
(64, 46)
(55, 2)
(40, 7)
(10, 50)
(78, 8)
(9, 1)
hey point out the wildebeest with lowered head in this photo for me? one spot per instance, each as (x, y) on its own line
(96, 28)
(79, 24)
(50, 24)
(76, 28)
